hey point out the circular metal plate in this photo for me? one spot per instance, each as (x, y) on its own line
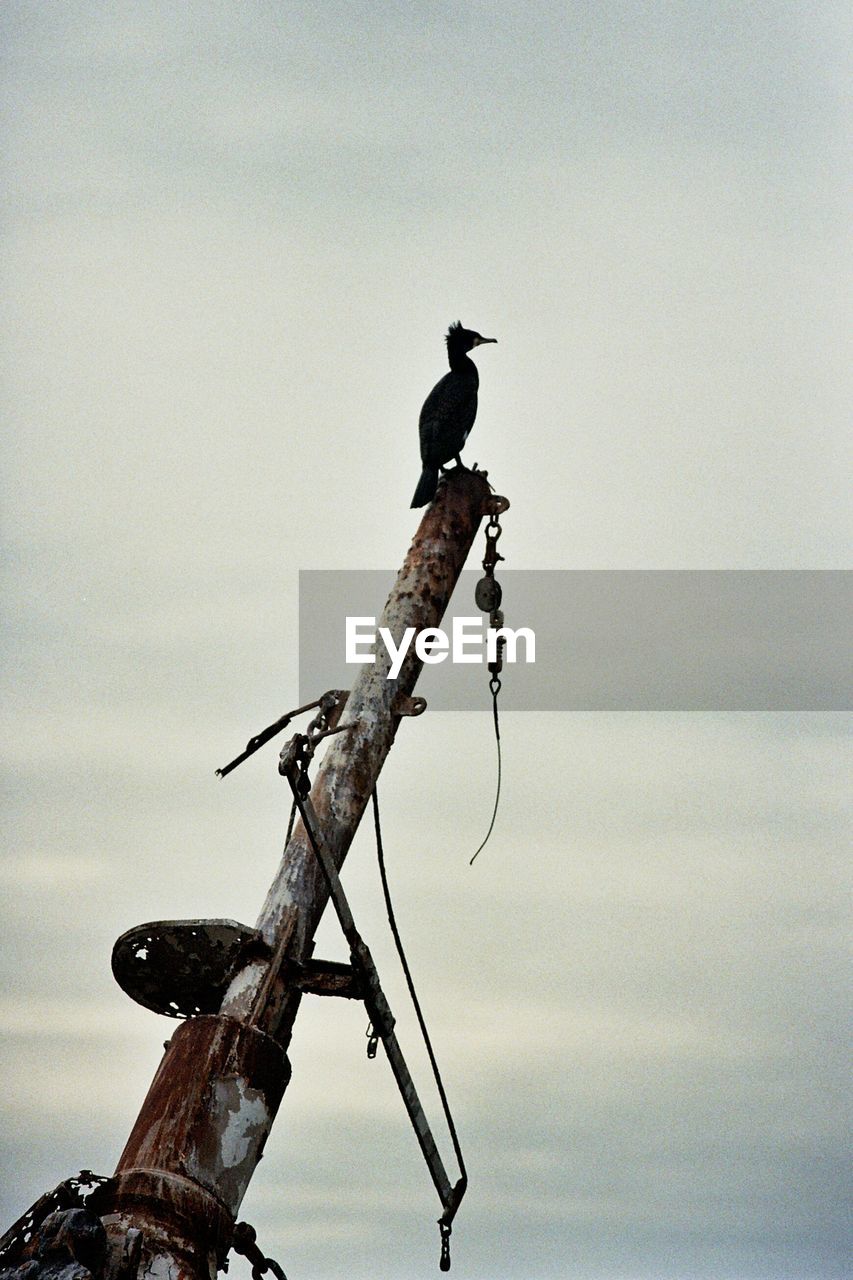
(180, 967)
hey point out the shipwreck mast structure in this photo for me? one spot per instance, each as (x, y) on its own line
(170, 1209)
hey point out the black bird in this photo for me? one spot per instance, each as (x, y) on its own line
(449, 411)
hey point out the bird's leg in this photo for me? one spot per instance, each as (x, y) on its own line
(460, 465)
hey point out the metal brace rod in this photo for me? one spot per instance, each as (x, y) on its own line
(332, 702)
(377, 1006)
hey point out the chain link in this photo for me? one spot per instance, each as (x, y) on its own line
(318, 726)
(301, 747)
(488, 595)
(245, 1243)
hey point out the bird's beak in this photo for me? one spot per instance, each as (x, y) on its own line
(478, 340)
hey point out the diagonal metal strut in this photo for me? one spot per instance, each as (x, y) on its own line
(377, 1006)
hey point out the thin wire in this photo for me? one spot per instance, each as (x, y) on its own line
(380, 855)
(290, 823)
(495, 692)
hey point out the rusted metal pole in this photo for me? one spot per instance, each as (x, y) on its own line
(202, 1128)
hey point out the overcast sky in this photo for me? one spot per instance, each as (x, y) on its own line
(234, 235)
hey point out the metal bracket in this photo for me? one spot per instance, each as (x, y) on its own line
(328, 978)
(404, 705)
(495, 505)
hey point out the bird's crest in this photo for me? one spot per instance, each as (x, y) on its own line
(453, 332)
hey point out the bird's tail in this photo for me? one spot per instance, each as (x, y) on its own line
(427, 485)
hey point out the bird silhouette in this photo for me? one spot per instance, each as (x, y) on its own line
(449, 411)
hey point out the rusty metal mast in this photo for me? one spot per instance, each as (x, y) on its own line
(171, 1208)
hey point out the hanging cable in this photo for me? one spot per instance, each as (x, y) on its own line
(445, 1221)
(293, 764)
(494, 689)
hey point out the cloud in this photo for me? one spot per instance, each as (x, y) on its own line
(235, 238)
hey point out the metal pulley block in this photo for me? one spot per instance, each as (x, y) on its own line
(487, 594)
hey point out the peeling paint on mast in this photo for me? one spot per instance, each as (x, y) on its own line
(202, 1128)
(346, 778)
